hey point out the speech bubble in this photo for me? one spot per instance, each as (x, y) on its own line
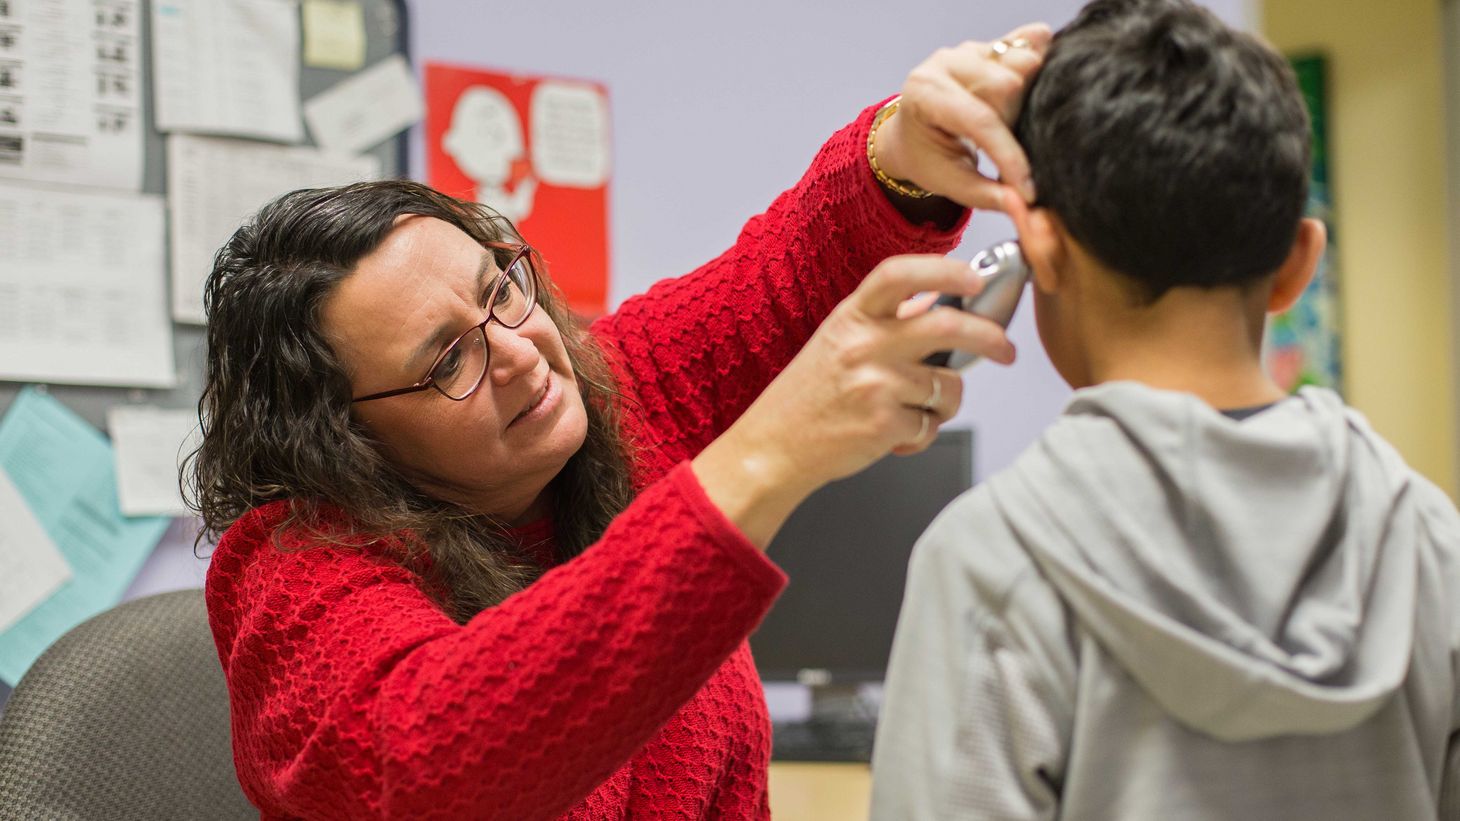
(569, 135)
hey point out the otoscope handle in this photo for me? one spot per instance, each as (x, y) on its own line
(1004, 275)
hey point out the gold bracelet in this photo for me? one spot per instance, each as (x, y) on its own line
(906, 189)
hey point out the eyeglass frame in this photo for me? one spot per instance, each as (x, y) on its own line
(522, 251)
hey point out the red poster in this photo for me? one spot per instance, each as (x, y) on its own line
(536, 149)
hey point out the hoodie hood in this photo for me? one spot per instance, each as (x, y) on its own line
(1256, 578)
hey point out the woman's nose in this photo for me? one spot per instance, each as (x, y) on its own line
(512, 353)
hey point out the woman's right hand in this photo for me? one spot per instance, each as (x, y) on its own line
(857, 391)
(960, 99)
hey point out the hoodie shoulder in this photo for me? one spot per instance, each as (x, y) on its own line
(980, 689)
(1437, 509)
(1439, 599)
(972, 561)
(969, 541)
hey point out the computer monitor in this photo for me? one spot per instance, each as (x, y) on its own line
(846, 551)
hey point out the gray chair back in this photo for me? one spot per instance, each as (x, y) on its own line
(124, 717)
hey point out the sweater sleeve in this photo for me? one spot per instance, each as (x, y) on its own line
(354, 696)
(980, 687)
(700, 348)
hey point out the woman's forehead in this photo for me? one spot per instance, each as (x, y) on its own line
(417, 243)
(419, 283)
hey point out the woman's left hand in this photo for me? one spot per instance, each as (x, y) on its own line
(962, 97)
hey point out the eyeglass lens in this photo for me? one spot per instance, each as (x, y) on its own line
(512, 297)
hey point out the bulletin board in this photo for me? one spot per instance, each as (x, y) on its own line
(386, 33)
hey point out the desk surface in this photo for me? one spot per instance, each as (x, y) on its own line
(803, 791)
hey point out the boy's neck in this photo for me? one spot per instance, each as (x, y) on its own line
(1203, 342)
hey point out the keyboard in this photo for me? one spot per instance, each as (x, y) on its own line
(821, 739)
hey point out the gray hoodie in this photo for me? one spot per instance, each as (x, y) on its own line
(1160, 612)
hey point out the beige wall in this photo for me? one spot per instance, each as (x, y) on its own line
(1389, 176)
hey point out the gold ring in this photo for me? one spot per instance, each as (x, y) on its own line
(923, 431)
(932, 403)
(1002, 47)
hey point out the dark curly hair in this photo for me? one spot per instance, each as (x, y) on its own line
(275, 405)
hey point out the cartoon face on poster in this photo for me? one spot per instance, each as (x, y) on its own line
(536, 150)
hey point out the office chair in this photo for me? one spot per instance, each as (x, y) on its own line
(124, 717)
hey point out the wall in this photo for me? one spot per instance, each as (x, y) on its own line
(1388, 166)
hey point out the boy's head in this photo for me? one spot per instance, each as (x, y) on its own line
(1171, 155)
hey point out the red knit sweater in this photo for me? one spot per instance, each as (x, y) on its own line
(620, 683)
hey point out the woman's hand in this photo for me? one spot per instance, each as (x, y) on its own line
(855, 392)
(962, 97)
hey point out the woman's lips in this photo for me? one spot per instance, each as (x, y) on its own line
(541, 406)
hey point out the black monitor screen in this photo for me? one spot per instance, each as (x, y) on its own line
(846, 550)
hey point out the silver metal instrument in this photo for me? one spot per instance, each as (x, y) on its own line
(1004, 275)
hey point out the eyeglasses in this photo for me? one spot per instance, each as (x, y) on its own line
(459, 370)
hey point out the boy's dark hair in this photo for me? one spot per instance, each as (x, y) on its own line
(1173, 148)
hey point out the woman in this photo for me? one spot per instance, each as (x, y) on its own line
(476, 562)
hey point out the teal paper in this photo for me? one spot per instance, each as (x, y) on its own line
(64, 471)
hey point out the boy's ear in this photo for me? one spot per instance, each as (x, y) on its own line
(1040, 240)
(1297, 270)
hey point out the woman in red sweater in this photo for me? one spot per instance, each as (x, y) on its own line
(477, 562)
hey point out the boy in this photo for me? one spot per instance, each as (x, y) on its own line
(1193, 597)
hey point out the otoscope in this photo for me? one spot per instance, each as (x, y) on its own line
(1004, 274)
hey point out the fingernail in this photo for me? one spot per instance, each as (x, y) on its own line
(1027, 189)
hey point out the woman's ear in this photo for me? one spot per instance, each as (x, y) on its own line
(1297, 270)
(1040, 239)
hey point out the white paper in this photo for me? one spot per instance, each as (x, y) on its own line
(82, 294)
(31, 566)
(359, 112)
(214, 184)
(62, 467)
(70, 96)
(334, 34)
(569, 135)
(149, 445)
(227, 67)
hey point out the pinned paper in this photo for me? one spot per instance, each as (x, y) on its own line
(227, 68)
(570, 134)
(31, 567)
(536, 150)
(360, 112)
(150, 444)
(214, 184)
(62, 469)
(70, 92)
(334, 34)
(83, 288)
